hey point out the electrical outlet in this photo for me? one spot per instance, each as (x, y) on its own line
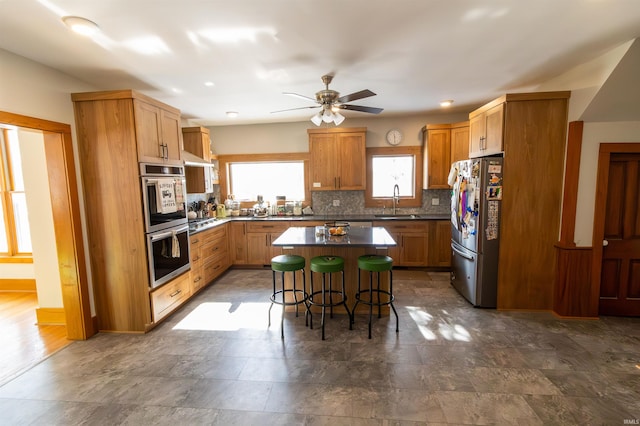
(435, 201)
(336, 203)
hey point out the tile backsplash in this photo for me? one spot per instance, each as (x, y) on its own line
(352, 202)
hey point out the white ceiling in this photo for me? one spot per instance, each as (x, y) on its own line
(412, 53)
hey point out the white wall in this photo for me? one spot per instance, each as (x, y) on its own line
(43, 239)
(593, 135)
(31, 89)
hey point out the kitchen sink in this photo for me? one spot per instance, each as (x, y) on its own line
(397, 216)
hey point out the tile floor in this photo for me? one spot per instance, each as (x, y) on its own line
(215, 362)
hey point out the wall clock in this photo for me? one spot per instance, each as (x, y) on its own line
(394, 137)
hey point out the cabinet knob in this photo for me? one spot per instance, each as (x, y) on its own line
(605, 243)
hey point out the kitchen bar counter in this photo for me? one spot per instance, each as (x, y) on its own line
(376, 237)
(360, 241)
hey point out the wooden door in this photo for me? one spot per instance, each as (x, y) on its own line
(324, 164)
(414, 249)
(439, 243)
(494, 130)
(148, 132)
(238, 243)
(171, 136)
(438, 158)
(620, 276)
(459, 143)
(258, 248)
(476, 135)
(350, 151)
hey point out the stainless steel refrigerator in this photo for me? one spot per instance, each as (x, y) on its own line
(476, 204)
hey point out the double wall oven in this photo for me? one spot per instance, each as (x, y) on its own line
(164, 201)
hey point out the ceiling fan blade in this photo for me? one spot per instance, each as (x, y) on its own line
(299, 96)
(355, 96)
(293, 109)
(361, 108)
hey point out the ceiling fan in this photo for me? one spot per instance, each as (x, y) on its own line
(331, 103)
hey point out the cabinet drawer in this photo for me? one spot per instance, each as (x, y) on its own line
(404, 226)
(267, 226)
(196, 241)
(215, 266)
(214, 233)
(170, 296)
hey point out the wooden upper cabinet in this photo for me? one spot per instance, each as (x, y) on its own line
(486, 131)
(437, 142)
(158, 133)
(197, 141)
(459, 141)
(199, 178)
(337, 159)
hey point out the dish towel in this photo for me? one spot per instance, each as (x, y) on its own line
(166, 196)
(175, 245)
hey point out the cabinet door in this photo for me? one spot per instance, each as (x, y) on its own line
(414, 249)
(494, 125)
(238, 243)
(439, 253)
(171, 136)
(258, 249)
(476, 135)
(323, 162)
(148, 132)
(459, 143)
(438, 158)
(352, 159)
(196, 141)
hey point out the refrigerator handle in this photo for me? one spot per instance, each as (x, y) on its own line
(466, 256)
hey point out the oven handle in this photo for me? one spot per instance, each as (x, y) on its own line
(163, 235)
(464, 255)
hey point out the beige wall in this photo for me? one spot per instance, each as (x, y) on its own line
(43, 239)
(31, 89)
(593, 135)
(292, 137)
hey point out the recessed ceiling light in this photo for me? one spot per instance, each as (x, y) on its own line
(232, 114)
(209, 83)
(446, 103)
(80, 25)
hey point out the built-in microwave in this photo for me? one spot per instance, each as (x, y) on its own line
(168, 254)
(164, 196)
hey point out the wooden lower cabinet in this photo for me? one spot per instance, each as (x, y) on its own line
(439, 254)
(412, 241)
(259, 238)
(171, 295)
(237, 243)
(209, 256)
(420, 243)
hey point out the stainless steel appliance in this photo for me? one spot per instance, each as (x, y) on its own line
(476, 205)
(168, 254)
(165, 215)
(163, 196)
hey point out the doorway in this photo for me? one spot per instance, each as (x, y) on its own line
(616, 237)
(66, 215)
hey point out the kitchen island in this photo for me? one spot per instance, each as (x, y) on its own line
(306, 242)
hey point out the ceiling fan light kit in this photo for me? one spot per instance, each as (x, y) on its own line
(331, 103)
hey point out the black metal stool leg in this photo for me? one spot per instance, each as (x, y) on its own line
(370, 300)
(283, 306)
(344, 302)
(295, 291)
(378, 294)
(324, 303)
(391, 298)
(273, 273)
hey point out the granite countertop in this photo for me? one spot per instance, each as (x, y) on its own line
(376, 236)
(326, 218)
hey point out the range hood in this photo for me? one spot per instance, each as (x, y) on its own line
(193, 160)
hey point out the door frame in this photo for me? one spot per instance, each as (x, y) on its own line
(602, 183)
(66, 221)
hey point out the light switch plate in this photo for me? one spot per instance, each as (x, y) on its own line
(435, 201)
(336, 203)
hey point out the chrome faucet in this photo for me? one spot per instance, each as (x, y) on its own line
(396, 197)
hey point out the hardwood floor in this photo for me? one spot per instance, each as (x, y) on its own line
(23, 342)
